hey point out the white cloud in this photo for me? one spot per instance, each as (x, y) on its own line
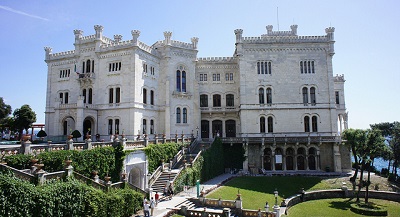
(22, 13)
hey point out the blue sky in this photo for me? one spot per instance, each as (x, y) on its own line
(367, 51)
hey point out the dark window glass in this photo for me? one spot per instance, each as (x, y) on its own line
(216, 100)
(111, 95)
(261, 96)
(184, 115)
(305, 95)
(144, 95)
(314, 124)
(269, 96)
(270, 125)
(230, 100)
(178, 115)
(203, 100)
(262, 125)
(306, 124)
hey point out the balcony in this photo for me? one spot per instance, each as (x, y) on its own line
(86, 78)
(218, 109)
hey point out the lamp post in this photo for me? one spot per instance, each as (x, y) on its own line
(276, 206)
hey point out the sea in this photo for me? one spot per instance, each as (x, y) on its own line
(379, 163)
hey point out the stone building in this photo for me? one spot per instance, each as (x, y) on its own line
(276, 96)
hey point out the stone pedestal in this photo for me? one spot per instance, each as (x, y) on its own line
(226, 212)
(277, 210)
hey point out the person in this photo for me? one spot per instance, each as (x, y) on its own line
(146, 207)
(152, 205)
(165, 190)
(157, 197)
(171, 191)
(112, 138)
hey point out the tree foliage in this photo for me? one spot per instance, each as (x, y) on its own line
(391, 132)
(366, 145)
(5, 109)
(23, 118)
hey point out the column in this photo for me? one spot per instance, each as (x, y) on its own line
(246, 161)
(273, 159)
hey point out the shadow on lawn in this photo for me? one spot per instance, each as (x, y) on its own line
(286, 185)
(343, 205)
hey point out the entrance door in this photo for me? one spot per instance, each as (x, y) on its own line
(205, 129)
(267, 159)
(230, 127)
(217, 127)
(87, 126)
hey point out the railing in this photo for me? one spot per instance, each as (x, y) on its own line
(251, 213)
(157, 173)
(19, 174)
(89, 181)
(194, 144)
(54, 175)
(134, 187)
(177, 158)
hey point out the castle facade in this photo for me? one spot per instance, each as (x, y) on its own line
(276, 96)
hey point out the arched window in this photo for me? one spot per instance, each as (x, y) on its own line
(203, 100)
(116, 126)
(88, 66)
(312, 96)
(144, 126)
(90, 101)
(151, 126)
(305, 95)
(314, 121)
(269, 96)
(144, 96)
(178, 115)
(111, 95)
(178, 81)
(84, 95)
(184, 113)
(301, 67)
(261, 95)
(183, 81)
(216, 100)
(270, 125)
(110, 126)
(117, 95)
(66, 97)
(258, 68)
(262, 125)
(306, 124)
(230, 100)
(151, 97)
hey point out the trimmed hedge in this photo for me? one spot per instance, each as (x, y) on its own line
(69, 198)
(158, 152)
(213, 161)
(368, 210)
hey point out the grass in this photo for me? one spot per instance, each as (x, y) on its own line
(337, 207)
(255, 191)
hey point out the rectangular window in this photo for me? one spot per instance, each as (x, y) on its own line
(144, 126)
(307, 67)
(62, 98)
(151, 97)
(216, 77)
(230, 100)
(144, 96)
(201, 77)
(205, 77)
(337, 97)
(151, 126)
(264, 67)
(228, 76)
(216, 100)
(203, 100)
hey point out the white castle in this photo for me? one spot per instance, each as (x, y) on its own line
(276, 96)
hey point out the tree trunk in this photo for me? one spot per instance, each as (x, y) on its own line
(368, 183)
(360, 185)
(353, 179)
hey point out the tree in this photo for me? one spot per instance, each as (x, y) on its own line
(5, 109)
(23, 118)
(391, 132)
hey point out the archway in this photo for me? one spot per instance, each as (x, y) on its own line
(135, 177)
(300, 159)
(68, 125)
(278, 159)
(88, 124)
(311, 159)
(217, 127)
(267, 159)
(289, 159)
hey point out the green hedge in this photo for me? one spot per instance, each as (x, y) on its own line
(157, 152)
(103, 160)
(189, 176)
(213, 161)
(69, 198)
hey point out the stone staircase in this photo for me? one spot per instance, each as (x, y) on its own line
(164, 178)
(189, 204)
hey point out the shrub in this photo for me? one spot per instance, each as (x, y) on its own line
(19, 161)
(158, 152)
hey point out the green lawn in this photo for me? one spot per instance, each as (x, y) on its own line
(256, 191)
(337, 208)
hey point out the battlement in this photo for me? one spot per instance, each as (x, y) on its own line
(62, 54)
(216, 59)
(284, 39)
(339, 78)
(145, 47)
